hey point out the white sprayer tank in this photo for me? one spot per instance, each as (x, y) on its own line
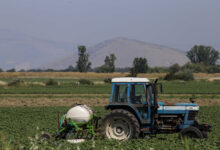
(79, 113)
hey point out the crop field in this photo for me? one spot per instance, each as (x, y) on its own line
(23, 125)
(29, 107)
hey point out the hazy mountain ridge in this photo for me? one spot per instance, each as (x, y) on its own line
(21, 51)
(125, 50)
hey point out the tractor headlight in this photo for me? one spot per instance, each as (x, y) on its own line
(192, 107)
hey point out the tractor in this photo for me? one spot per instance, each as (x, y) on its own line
(134, 112)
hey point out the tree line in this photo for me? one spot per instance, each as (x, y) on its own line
(202, 59)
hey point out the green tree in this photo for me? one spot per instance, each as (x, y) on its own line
(109, 65)
(174, 68)
(70, 69)
(178, 73)
(1, 70)
(11, 70)
(110, 62)
(203, 54)
(140, 65)
(133, 73)
(83, 64)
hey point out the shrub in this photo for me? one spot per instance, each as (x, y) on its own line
(169, 76)
(214, 69)
(11, 70)
(85, 81)
(107, 80)
(185, 75)
(133, 73)
(51, 82)
(174, 68)
(102, 69)
(158, 69)
(195, 67)
(16, 83)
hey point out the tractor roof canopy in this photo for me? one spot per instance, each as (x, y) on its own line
(129, 79)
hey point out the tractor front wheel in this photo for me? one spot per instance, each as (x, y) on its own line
(191, 132)
(120, 124)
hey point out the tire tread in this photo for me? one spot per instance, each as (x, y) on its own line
(130, 116)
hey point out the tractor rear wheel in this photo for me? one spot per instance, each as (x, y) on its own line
(120, 124)
(191, 132)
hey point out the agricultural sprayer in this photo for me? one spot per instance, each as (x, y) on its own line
(134, 112)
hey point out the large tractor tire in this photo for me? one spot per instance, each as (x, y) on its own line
(191, 132)
(120, 124)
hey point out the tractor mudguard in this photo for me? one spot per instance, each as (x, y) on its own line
(204, 127)
(126, 107)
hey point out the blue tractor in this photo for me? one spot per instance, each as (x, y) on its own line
(135, 112)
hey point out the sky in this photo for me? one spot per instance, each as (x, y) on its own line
(174, 23)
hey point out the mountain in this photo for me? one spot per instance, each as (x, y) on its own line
(21, 51)
(125, 50)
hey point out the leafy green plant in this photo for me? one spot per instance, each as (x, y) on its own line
(4, 145)
(185, 75)
(107, 80)
(51, 82)
(16, 83)
(86, 81)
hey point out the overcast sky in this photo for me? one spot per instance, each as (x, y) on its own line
(175, 23)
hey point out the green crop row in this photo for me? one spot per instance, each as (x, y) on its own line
(170, 87)
(192, 87)
(20, 127)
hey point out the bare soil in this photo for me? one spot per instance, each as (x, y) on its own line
(14, 102)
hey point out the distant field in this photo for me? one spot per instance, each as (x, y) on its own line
(68, 86)
(74, 75)
(68, 92)
(90, 75)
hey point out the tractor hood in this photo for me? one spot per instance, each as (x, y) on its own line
(178, 106)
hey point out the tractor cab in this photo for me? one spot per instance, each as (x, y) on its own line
(134, 94)
(131, 90)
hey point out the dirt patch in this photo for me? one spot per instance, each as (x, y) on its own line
(55, 95)
(2, 83)
(13, 102)
(99, 82)
(213, 79)
(37, 83)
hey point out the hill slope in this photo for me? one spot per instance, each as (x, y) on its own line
(125, 50)
(21, 51)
